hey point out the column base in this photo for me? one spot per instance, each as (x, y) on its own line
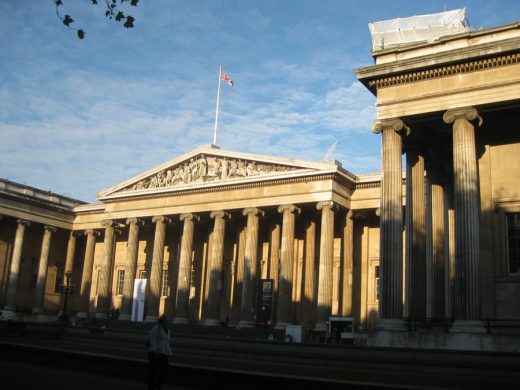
(246, 324)
(101, 316)
(151, 319)
(468, 326)
(391, 325)
(211, 322)
(124, 317)
(180, 321)
(37, 311)
(82, 314)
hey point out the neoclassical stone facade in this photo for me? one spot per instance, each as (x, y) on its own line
(435, 242)
(451, 107)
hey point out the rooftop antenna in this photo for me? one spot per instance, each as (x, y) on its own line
(329, 155)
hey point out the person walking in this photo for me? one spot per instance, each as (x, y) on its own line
(159, 351)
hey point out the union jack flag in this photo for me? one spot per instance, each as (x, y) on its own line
(226, 78)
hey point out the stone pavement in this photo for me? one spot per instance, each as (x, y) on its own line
(202, 353)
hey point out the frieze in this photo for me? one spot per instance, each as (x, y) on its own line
(446, 71)
(204, 169)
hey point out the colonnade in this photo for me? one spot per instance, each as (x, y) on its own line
(442, 227)
(282, 258)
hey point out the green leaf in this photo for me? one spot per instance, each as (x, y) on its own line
(67, 20)
(134, 2)
(58, 3)
(129, 22)
(120, 16)
(81, 34)
(93, 2)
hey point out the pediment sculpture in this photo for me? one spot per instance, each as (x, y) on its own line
(203, 169)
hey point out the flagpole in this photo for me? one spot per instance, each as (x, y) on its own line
(218, 104)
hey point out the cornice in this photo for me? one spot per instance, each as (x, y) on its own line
(444, 71)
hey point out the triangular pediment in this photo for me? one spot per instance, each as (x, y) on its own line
(207, 167)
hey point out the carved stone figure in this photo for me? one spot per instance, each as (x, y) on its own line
(206, 169)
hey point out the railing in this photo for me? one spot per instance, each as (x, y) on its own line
(501, 323)
(428, 323)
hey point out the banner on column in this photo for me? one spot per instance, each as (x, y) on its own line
(138, 300)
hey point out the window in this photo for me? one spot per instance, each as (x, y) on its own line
(120, 282)
(165, 287)
(513, 242)
(142, 274)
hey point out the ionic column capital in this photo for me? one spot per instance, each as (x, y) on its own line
(189, 217)
(23, 222)
(107, 223)
(395, 124)
(50, 228)
(91, 232)
(254, 211)
(327, 204)
(220, 214)
(468, 113)
(161, 218)
(134, 221)
(292, 208)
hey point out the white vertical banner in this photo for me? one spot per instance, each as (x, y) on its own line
(138, 300)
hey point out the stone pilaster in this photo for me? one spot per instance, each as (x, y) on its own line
(415, 236)
(283, 317)
(86, 278)
(154, 286)
(467, 208)
(104, 282)
(14, 272)
(325, 266)
(41, 278)
(391, 224)
(250, 267)
(215, 268)
(184, 277)
(130, 267)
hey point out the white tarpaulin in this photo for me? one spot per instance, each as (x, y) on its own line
(417, 28)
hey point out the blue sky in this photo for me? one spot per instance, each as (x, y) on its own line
(79, 116)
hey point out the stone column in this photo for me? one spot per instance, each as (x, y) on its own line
(71, 250)
(391, 224)
(348, 265)
(132, 248)
(104, 282)
(325, 267)
(39, 292)
(14, 272)
(86, 278)
(309, 274)
(283, 315)
(250, 267)
(183, 282)
(154, 287)
(467, 209)
(415, 236)
(215, 268)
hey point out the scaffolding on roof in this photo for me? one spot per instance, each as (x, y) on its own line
(417, 28)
